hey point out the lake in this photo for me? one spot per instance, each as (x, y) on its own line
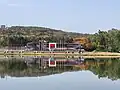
(56, 73)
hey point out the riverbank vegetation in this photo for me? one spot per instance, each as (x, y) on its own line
(19, 36)
(106, 40)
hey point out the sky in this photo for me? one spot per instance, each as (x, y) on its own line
(83, 16)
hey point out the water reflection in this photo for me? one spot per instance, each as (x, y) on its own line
(41, 66)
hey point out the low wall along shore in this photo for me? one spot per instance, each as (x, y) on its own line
(62, 53)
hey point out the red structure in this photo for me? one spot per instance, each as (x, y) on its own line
(52, 46)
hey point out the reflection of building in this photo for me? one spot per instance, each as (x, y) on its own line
(39, 66)
(52, 62)
(63, 62)
(56, 62)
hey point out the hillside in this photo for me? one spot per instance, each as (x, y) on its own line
(20, 35)
(43, 31)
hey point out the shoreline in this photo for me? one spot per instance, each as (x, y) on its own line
(57, 56)
(61, 53)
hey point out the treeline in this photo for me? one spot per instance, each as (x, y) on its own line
(106, 40)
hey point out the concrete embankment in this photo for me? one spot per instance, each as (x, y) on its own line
(59, 53)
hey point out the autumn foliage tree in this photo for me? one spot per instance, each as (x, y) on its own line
(85, 42)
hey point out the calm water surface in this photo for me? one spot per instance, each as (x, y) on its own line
(35, 73)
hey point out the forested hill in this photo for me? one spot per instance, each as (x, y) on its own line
(42, 31)
(20, 35)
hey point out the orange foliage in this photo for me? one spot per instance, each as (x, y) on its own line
(84, 41)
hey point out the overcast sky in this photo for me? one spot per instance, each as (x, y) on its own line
(84, 16)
